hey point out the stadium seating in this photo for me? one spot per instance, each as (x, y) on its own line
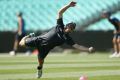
(41, 14)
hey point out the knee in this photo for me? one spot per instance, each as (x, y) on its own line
(118, 40)
(41, 61)
(114, 41)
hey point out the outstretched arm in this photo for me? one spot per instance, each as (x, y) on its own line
(63, 9)
(82, 48)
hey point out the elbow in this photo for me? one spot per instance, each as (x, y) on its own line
(60, 13)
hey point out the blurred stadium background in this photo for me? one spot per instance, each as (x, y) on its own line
(40, 16)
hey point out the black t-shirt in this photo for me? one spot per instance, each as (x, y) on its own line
(56, 36)
(114, 21)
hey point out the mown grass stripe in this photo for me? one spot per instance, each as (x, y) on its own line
(19, 66)
(106, 77)
(54, 70)
(61, 74)
(77, 74)
(79, 65)
(16, 63)
(32, 63)
(57, 60)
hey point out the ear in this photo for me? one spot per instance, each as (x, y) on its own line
(65, 28)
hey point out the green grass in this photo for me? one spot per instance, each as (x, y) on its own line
(60, 67)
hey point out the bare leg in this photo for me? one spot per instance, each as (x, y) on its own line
(40, 61)
(118, 43)
(39, 68)
(115, 46)
(15, 45)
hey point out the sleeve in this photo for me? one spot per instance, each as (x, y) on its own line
(69, 40)
(113, 20)
(60, 23)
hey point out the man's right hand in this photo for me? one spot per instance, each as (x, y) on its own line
(72, 4)
(63, 9)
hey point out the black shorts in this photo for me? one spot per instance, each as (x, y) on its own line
(19, 37)
(36, 42)
(117, 35)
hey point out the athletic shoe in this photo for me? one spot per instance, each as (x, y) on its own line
(31, 35)
(12, 53)
(91, 50)
(22, 42)
(113, 55)
(28, 53)
(39, 73)
(118, 55)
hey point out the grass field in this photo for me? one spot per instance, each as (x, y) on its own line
(60, 67)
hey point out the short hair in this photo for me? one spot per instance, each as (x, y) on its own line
(19, 14)
(107, 13)
(71, 25)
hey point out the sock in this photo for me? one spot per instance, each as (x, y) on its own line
(39, 67)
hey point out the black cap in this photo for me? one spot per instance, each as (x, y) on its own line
(71, 25)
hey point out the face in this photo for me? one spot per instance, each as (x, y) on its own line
(104, 15)
(68, 30)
